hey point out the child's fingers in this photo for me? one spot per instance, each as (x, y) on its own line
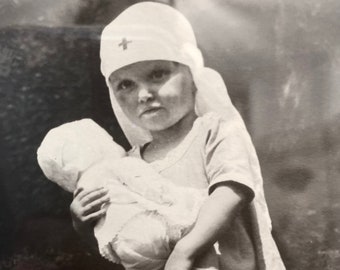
(77, 191)
(95, 215)
(96, 204)
(86, 196)
(84, 192)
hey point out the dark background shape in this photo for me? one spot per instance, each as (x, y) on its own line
(53, 78)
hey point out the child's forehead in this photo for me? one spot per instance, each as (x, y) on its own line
(140, 68)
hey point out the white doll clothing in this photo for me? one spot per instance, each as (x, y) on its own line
(146, 216)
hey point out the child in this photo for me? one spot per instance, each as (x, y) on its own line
(74, 155)
(178, 116)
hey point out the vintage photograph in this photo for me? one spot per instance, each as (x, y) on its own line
(169, 135)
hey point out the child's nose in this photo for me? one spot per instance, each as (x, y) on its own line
(145, 94)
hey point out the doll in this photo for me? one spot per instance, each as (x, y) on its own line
(146, 214)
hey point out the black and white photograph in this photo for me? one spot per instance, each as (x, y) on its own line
(169, 135)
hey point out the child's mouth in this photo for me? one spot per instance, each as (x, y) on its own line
(151, 111)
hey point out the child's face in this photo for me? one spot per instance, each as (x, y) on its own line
(154, 95)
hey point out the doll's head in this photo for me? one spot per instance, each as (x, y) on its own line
(67, 151)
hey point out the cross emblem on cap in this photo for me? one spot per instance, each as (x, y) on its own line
(124, 43)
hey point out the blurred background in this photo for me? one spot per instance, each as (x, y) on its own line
(281, 63)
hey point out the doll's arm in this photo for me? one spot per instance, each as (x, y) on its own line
(217, 212)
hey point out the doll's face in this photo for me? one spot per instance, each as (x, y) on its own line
(154, 95)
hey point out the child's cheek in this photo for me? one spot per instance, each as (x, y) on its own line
(172, 88)
(125, 99)
(121, 98)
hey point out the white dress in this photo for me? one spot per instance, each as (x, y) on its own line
(212, 153)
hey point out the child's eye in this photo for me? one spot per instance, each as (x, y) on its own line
(159, 74)
(125, 85)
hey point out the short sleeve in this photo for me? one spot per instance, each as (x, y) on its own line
(227, 157)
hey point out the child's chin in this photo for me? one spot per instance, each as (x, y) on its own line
(155, 126)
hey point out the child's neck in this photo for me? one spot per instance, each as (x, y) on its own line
(166, 140)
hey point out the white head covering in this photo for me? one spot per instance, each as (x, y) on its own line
(154, 31)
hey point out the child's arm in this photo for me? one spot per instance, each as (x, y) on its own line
(85, 210)
(216, 213)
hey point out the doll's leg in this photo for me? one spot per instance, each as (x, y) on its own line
(143, 242)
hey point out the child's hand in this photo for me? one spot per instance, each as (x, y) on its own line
(86, 207)
(179, 259)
